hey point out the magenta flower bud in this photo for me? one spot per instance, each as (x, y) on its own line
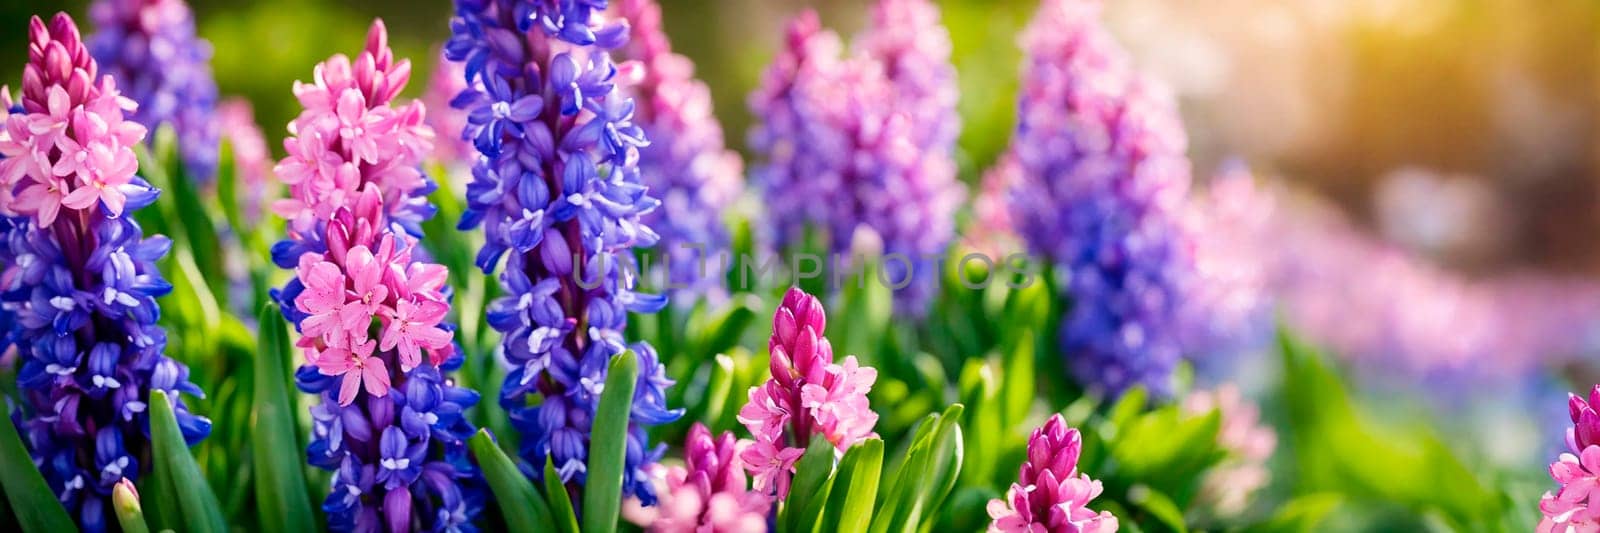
(1577, 472)
(1050, 495)
(808, 394)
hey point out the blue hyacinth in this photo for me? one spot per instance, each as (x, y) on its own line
(150, 47)
(1102, 175)
(78, 309)
(557, 189)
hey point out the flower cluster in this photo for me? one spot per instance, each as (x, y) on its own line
(78, 280)
(390, 424)
(1103, 175)
(808, 394)
(1050, 494)
(1571, 508)
(557, 189)
(1227, 487)
(150, 47)
(709, 494)
(864, 143)
(686, 164)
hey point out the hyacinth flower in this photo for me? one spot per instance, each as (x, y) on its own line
(150, 47)
(864, 143)
(808, 395)
(557, 190)
(1577, 471)
(1227, 487)
(686, 164)
(78, 279)
(708, 494)
(1050, 495)
(369, 309)
(1103, 176)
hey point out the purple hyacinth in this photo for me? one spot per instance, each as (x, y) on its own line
(150, 47)
(686, 164)
(558, 191)
(369, 308)
(864, 144)
(1103, 174)
(78, 286)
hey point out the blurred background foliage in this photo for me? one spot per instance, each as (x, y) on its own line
(1489, 97)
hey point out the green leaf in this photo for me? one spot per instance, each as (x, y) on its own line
(980, 392)
(1127, 407)
(198, 508)
(1302, 514)
(926, 476)
(1016, 370)
(36, 507)
(280, 488)
(804, 507)
(608, 446)
(126, 504)
(719, 390)
(520, 504)
(560, 502)
(944, 468)
(1159, 506)
(1339, 448)
(855, 488)
(717, 334)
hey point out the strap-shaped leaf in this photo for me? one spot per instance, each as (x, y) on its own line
(180, 477)
(555, 492)
(855, 488)
(1158, 506)
(34, 505)
(608, 446)
(895, 502)
(520, 504)
(280, 480)
(719, 390)
(126, 504)
(925, 477)
(804, 508)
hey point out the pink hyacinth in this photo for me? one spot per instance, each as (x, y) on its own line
(1050, 496)
(349, 135)
(1227, 487)
(1572, 508)
(70, 147)
(708, 495)
(808, 395)
(354, 177)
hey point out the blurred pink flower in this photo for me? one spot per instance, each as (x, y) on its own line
(708, 495)
(1227, 487)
